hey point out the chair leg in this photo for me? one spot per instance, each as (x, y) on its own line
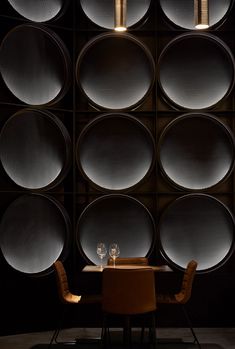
(56, 331)
(54, 337)
(127, 332)
(190, 325)
(152, 331)
(142, 335)
(105, 334)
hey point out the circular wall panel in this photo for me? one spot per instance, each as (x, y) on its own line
(181, 12)
(38, 10)
(196, 71)
(196, 151)
(35, 232)
(34, 64)
(199, 227)
(102, 12)
(35, 149)
(115, 218)
(115, 151)
(107, 75)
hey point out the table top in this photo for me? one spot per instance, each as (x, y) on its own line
(99, 269)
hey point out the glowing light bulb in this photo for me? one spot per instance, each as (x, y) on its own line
(120, 29)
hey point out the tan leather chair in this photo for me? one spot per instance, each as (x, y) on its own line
(184, 295)
(129, 261)
(128, 292)
(66, 296)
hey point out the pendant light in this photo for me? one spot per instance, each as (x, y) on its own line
(120, 15)
(201, 14)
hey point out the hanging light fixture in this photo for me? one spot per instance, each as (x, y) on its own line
(201, 14)
(120, 15)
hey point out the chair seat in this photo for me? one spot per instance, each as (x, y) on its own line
(84, 299)
(71, 298)
(183, 296)
(68, 298)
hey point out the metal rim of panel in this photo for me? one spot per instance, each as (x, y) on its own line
(16, 256)
(229, 143)
(115, 36)
(121, 118)
(62, 52)
(60, 129)
(223, 49)
(183, 230)
(133, 236)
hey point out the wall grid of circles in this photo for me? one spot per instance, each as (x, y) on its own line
(89, 116)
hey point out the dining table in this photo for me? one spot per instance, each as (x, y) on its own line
(93, 273)
(90, 279)
(166, 279)
(98, 269)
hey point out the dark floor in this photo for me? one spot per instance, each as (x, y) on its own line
(168, 338)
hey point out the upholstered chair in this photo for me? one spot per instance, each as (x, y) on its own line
(184, 294)
(126, 293)
(67, 298)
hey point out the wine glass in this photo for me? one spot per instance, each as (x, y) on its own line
(101, 251)
(114, 252)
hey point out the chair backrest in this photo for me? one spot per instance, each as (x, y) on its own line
(128, 291)
(186, 289)
(129, 261)
(62, 284)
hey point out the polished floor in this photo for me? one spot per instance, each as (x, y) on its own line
(168, 338)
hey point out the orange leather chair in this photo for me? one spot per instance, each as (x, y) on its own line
(66, 296)
(128, 292)
(129, 261)
(184, 295)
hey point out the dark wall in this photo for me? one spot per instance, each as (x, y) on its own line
(33, 235)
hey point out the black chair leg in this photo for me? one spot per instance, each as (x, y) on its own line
(152, 331)
(142, 335)
(54, 337)
(190, 326)
(127, 332)
(104, 332)
(57, 330)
